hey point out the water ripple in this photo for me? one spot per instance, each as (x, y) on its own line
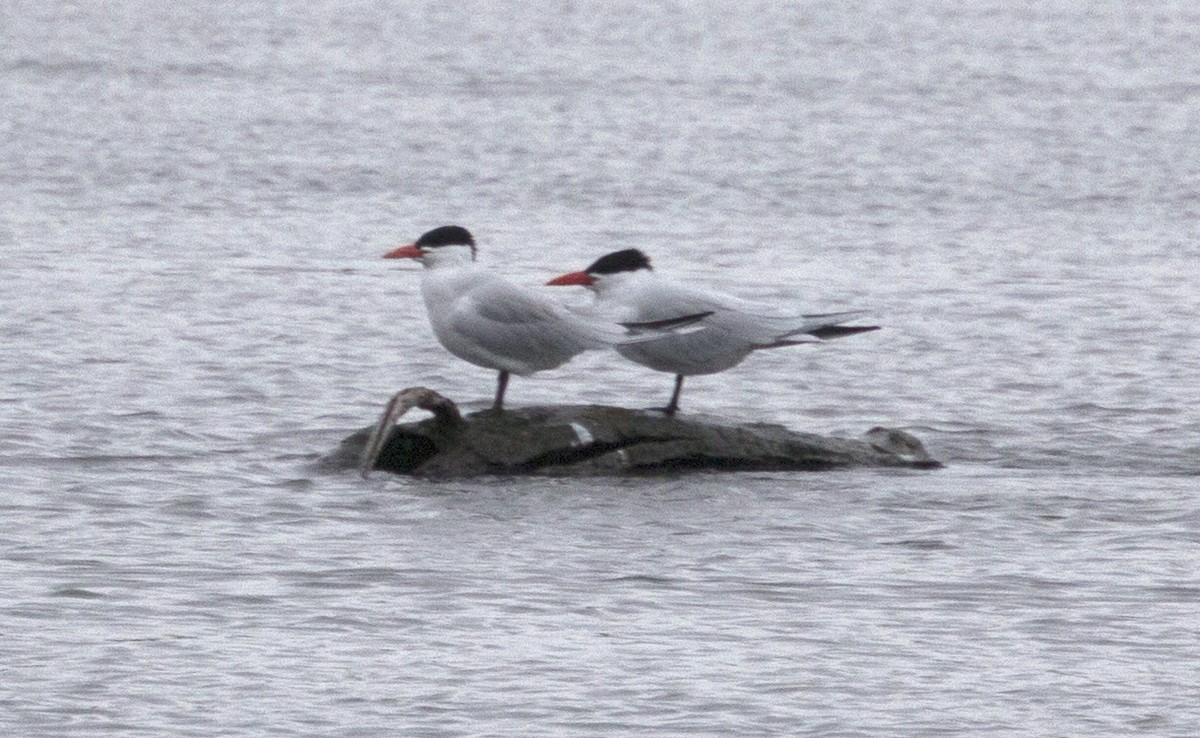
(194, 310)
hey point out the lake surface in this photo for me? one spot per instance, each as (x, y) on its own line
(193, 310)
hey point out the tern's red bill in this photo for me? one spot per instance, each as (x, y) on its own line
(409, 251)
(573, 278)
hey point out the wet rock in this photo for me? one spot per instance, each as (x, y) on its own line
(599, 440)
(901, 443)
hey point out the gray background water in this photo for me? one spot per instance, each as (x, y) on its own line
(192, 308)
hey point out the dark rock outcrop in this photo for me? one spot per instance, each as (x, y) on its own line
(599, 440)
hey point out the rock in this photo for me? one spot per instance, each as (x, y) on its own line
(599, 440)
(901, 443)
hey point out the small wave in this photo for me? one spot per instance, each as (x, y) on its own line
(950, 428)
(67, 66)
(657, 581)
(101, 360)
(77, 593)
(152, 414)
(922, 544)
(1092, 408)
(90, 459)
(55, 67)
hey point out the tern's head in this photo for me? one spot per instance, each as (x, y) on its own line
(447, 244)
(608, 270)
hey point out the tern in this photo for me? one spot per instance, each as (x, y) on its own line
(627, 287)
(486, 320)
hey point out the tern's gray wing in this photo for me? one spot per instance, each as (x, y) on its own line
(522, 331)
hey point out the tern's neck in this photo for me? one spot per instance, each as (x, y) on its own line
(448, 257)
(612, 285)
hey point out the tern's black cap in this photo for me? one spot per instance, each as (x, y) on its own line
(626, 260)
(447, 235)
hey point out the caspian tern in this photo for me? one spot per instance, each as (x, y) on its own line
(490, 322)
(626, 286)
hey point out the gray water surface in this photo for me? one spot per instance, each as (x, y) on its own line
(193, 309)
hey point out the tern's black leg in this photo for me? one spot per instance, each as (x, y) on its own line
(673, 405)
(501, 385)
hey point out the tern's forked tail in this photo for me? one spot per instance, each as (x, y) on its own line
(838, 331)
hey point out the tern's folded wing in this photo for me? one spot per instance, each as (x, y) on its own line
(521, 330)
